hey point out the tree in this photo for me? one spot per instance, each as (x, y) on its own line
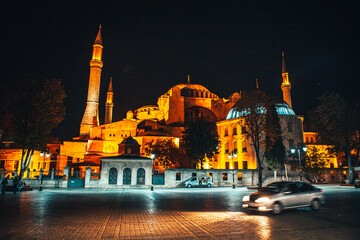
(274, 155)
(166, 152)
(37, 107)
(200, 139)
(5, 117)
(252, 108)
(314, 162)
(338, 124)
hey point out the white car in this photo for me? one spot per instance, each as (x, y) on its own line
(199, 182)
(284, 195)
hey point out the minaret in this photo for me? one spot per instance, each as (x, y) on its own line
(109, 104)
(285, 86)
(91, 115)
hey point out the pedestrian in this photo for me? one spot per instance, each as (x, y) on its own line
(15, 184)
(4, 184)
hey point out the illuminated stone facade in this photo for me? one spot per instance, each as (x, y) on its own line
(165, 120)
(311, 140)
(232, 137)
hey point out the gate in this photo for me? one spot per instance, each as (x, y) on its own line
(127, 176)
(76, 179)
(140, 176)
(113, 176)
(158, 179)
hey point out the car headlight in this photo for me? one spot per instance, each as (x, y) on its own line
(262, 199)
(246, 198)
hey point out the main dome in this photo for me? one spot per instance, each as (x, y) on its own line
(193, 90)
(281, 109)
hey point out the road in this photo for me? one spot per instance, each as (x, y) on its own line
(206, 213)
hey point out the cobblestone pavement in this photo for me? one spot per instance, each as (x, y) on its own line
(170, 214)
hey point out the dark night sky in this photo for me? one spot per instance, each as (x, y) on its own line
(150, 46)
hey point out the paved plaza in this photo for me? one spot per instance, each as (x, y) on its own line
(214, 213)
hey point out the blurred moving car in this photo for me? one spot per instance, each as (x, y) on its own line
(278, 196)
(199, 182)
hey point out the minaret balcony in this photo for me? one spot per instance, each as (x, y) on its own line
(96, 64)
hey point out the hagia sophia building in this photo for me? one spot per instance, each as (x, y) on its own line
(165, 119)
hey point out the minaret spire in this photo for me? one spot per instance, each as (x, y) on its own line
(188, 79)
(257, 84)
(109, 104)
(285, 86)
(283, 62)
(91, 115)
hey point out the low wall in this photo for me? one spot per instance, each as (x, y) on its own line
(35, 183)
(221, 177)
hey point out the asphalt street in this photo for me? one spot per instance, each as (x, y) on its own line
(206, 213)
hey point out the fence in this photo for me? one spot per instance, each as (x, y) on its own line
(35, 178)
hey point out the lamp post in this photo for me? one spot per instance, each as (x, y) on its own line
(43, 167)
(152, 171)
(231, 156)
(300, 148)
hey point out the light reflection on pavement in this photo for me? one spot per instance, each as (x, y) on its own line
(214, 213)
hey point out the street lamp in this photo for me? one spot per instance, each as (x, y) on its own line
(152, 171)
(231, 156)
(43, 167)
(300, 148)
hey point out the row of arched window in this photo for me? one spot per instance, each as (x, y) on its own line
(126, 176)
(234, 131)
(197, 93)
(237, 145)
(310, 140)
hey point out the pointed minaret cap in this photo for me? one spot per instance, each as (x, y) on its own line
(98, 39)
(188, 79)
(110, 85)
(283, 62)
(257, 84)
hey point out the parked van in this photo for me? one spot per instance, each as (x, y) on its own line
(199, 182)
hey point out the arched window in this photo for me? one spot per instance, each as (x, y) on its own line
(243, 145)
(113, 172)
(235, 146)
(226, 132)
(226, 148)
(109, 148)
(127, 176)
(235, 131)
(140, 178)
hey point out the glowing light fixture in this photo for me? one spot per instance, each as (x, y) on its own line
(246, 198)
(262, 199)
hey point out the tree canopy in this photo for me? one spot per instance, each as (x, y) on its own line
(338, 124)
(314, 162)
(200, 139)
(274, 155)
(167, 153)
(37, 106)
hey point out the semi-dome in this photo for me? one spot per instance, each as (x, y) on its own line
(146, 108)
(281, 109)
